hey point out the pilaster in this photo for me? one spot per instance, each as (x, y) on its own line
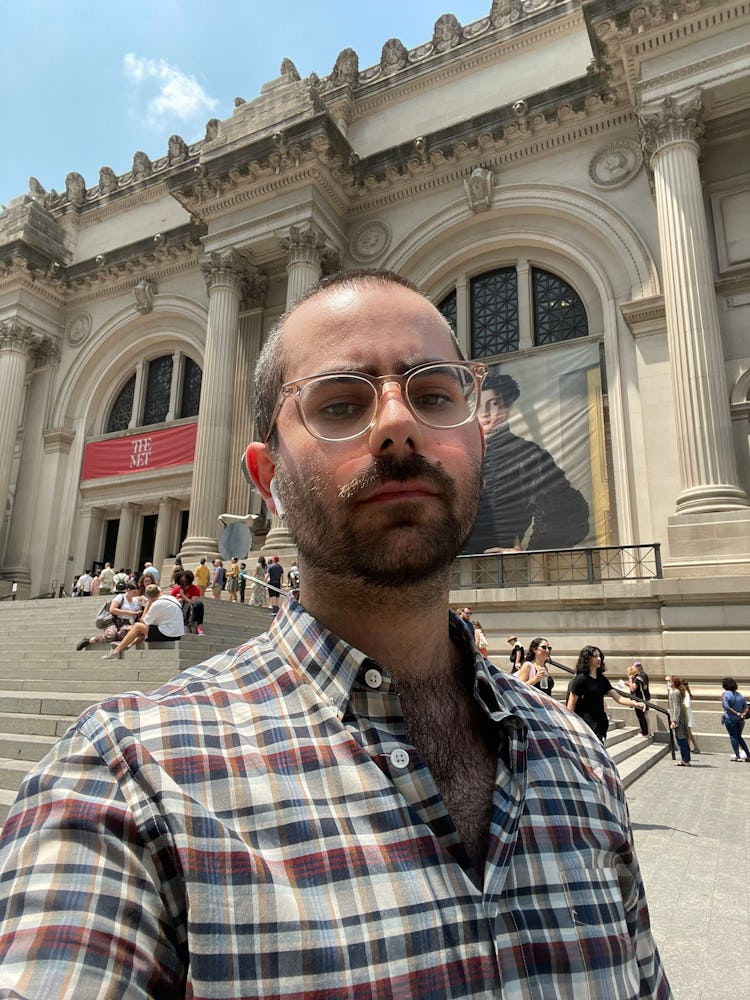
(17, 341)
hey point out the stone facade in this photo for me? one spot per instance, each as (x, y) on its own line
(605, 143)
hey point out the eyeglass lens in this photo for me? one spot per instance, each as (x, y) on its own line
(341, 406)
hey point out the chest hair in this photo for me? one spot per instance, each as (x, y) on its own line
(460, 745)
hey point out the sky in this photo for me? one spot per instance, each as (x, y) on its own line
(86, 84)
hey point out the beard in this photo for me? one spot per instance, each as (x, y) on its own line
(407, 544)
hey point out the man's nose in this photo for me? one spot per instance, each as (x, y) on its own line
(396, 429)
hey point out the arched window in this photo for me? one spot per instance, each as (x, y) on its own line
(158, 386)
(192, 378)
(119, 416)
(141, 403)
(559, 313)
(517, 307)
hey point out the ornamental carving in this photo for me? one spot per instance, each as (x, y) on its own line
(144, 292)
(615, 165)
(393, 57)
(46, 353)
(75, 188)
(289, 71)
(78, 329)
(304, 245)
(107, 180)
(669, 122)
(503, 12)
(228, 267)
(16, 336)
(346, 68)
(142, 166)
(480, 188)
(447, 33)
(177, 150)
(36, 191)
(370, 241)
(212, 130)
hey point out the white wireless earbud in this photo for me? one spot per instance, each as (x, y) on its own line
(276, 498)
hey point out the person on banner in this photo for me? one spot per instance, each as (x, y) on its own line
(525, 489)
(354, 803)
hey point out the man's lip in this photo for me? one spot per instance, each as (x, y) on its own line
(411, 490)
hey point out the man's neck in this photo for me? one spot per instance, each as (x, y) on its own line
(403, 629)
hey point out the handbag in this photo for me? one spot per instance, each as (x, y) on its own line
(104, 618)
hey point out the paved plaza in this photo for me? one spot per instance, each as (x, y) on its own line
(692, 834)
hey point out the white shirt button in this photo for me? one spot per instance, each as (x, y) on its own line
(373, 678)
(400, 759)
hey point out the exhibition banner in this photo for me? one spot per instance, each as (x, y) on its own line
(545, 468)
(140, 452)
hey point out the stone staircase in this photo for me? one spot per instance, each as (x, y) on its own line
(45, 684)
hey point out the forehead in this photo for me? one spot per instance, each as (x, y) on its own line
(373, 327)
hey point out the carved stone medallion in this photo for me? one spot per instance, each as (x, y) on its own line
(78, 329)
(370, 241)
(616, 164)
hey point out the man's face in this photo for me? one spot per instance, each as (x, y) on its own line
(395, 505)
(466, 614)
(493, 412)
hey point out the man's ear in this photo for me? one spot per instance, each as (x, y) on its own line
(260, 467)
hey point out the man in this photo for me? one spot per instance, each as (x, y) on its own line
(162, 621)
(150, 570)
(84, 583)
(516, 653)
(107, 579)
(355, 803)
(465, 616)
(275, 579)
(216, 579)
(525, 488)
(202, 576)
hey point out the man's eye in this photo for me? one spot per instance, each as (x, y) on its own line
(339, 410)
(432, 400)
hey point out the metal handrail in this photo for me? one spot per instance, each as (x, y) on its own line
(649, 704)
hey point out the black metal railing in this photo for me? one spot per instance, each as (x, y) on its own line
(650, 704)
(552, 567)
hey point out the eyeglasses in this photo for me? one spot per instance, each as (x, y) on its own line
(343, 405)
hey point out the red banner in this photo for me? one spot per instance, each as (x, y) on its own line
(150, 450)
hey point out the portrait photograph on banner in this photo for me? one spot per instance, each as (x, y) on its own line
(545, 469)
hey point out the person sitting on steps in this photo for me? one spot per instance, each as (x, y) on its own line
(162, 622)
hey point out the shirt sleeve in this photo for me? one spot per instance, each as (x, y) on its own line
(88, 890)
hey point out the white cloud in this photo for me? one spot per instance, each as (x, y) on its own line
(179, 96)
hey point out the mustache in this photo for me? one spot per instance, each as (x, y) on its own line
(391, 469)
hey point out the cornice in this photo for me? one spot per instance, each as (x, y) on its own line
(370, 98)
(117, 281)
(645, 317)
(17, 272)
(106, 208)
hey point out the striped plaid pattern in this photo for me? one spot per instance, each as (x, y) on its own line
(260, 827)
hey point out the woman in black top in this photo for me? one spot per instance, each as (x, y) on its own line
(588, 689)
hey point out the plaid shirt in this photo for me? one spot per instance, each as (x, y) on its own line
(261, 827)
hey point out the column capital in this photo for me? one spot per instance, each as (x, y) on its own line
(304, 245)
(228, 268)
(46, 353)
(17, 336)
(670, 121)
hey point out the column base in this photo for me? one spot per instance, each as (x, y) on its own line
(717, 543)
(712, 499)
(196, 548)
(20, 575)
(279, 542)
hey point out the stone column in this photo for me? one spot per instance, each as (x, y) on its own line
(248, 348)
(305, 250)
(20, 538)
(16, 343)
(124, 548)
(164, 530)
(227, 274)
(670, 134)
(90, 524)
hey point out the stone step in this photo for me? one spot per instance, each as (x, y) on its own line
(12, 773)
(48, 702)
(17, 746)
(33, 725)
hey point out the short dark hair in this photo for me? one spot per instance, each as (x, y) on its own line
(270, 371)
(505, 386)
(729, 684)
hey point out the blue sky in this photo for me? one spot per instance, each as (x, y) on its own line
(84, 85)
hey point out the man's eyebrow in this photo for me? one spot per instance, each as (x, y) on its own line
(367, 368)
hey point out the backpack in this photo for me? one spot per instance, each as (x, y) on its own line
(104, 618)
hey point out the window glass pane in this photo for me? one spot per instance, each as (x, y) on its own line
(448, 308)
(158, 383)
(191, 388)
(494, 312)
(121, 412)
(558, 311)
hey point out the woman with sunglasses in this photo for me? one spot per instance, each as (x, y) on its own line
(534, 670)
(588, 689)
